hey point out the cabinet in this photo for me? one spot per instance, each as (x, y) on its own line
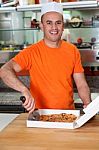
(16, 31)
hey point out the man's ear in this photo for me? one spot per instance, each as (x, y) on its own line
(41, 26)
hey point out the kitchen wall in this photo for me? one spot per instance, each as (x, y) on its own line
(87, 31)
(9, 25)
(21, 20)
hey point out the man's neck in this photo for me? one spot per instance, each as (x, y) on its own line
(53, 44)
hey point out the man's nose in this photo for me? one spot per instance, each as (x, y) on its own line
(54, 25)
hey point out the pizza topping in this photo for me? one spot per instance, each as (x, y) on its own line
(63, 117)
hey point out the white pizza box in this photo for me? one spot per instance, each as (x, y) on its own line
(43, 124)
(90, 111)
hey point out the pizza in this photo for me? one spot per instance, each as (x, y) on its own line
(63, 117)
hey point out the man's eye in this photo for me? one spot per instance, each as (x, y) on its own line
(48, 22)
(59, 22)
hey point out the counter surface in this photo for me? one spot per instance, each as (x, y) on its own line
(17, 136)
(5, 119)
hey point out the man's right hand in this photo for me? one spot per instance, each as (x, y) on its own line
(29, 103)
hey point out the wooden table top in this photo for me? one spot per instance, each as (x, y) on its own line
(16, 136)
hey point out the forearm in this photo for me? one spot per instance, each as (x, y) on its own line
(84, 94)
(82, 87)
(9, 77)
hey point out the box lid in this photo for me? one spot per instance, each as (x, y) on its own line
(90, 111)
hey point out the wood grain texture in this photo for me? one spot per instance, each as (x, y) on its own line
(18, 137)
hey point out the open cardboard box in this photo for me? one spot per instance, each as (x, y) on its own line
(89, 111)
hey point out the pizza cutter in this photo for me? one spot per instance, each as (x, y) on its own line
(34, 116)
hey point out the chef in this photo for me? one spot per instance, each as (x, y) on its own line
(53, 65)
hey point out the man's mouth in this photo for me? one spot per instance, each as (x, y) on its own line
(54, 32)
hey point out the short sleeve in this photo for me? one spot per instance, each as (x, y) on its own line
(23, 58)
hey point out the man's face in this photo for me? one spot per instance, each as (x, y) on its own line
(52, 25)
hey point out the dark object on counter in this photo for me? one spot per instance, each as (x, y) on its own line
(88, 22)
(96, 21)
(79, 106)
(93, 39)
(95, 46)
(34, 115)
(11, 47)
(8, 108)
(84, 45)
(75, 22)
(34, 23)
(79, 41)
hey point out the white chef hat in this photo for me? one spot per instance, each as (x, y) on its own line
(51, 6)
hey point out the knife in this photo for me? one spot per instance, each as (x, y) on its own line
(34, 116)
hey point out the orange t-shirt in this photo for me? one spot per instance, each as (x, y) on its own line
(51, 71)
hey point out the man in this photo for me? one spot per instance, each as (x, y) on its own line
(52, 64)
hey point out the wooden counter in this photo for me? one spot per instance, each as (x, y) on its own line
(18, 137)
